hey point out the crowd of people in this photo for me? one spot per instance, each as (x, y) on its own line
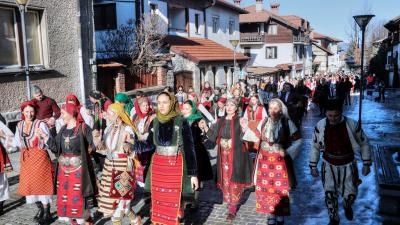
(106, 152)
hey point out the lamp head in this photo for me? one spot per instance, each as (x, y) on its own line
(363, 20)
(234, 43)
(22, 2)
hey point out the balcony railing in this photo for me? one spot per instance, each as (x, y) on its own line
(301, 39)
(251, 37)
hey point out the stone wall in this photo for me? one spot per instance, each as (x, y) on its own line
(61, 43)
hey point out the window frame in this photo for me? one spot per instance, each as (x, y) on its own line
(231, 27)
(39, 30)
(216, 22)
(104, 28)
(269, 29)
(197, 23)
(17, 40)
(275, 55)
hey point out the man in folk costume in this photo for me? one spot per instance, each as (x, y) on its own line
(117, 186)
(339, 138)
(5, 164)
(174, 161)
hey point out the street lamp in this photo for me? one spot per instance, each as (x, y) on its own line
(22, 9)
(362, 21)
(234, 43)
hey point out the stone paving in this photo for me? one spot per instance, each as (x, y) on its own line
(382, 124)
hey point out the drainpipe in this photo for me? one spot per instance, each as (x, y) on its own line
(80, 57)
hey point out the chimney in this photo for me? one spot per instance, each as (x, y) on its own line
(275, 8)
(237, 2)
(259, 5)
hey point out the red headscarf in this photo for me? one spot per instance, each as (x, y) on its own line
(74, 111)
(25, 104)
(74, 99)
(137, 108)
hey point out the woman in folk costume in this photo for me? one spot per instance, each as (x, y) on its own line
(143, 147)
(76, 185)
(6, 138)
(117, 185)
(126, 102)
(36, 177)
(254, 114)
(233, 163)
(280, 141)
(220, 111)
(174, 161)
(204, 169)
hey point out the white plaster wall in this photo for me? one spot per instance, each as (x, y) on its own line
(258, 53)
(222, 36)
(220, 76)
(192, 26)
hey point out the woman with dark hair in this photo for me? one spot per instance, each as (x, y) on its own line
(76, 184)
(204, 169)
(100, 106)
(174, 161)
(233, 163)
(36, 178)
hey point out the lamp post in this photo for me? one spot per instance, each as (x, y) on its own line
(22, 9)
(234, 43)
(362, 21)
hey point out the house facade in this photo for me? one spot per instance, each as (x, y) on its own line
(198, 35)
(330, 45)
(393, 58)
(60, 51)
(276, 41)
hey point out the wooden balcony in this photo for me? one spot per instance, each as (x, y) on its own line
(299, 39)
(252, 38)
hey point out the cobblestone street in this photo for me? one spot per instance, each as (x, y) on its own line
(381, 123)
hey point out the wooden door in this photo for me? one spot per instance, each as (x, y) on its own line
(185, 79)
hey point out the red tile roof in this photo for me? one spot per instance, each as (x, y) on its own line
(285, 67)
(201, 50)
(111, 65)
(261, 70)
(230, 5)
(317, 35)
(263, 16)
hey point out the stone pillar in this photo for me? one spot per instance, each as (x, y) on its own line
(209, 77)
(161, 76)
(196, 79)
(120, 83)
(229, 78)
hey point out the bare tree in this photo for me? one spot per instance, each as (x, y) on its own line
(117, 44)
(148, 42)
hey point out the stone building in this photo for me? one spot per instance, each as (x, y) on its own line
(60, 51)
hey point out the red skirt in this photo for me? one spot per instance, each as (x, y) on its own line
(36, 173)
(232, 192)
(70, 202)
(166, 188)
(272, 184)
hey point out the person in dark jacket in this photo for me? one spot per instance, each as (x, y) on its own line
(234, 166)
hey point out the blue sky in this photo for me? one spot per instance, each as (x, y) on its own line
(332, 17)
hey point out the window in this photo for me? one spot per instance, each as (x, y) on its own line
(105, 17)
(215, 24)
(11, 54)
(197, 22)
(247, 51)
(231, 26)
(272, 29)
(271, 52)
(153, 8)
(8, 39)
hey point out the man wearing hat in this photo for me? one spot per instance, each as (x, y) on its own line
(339, 138)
